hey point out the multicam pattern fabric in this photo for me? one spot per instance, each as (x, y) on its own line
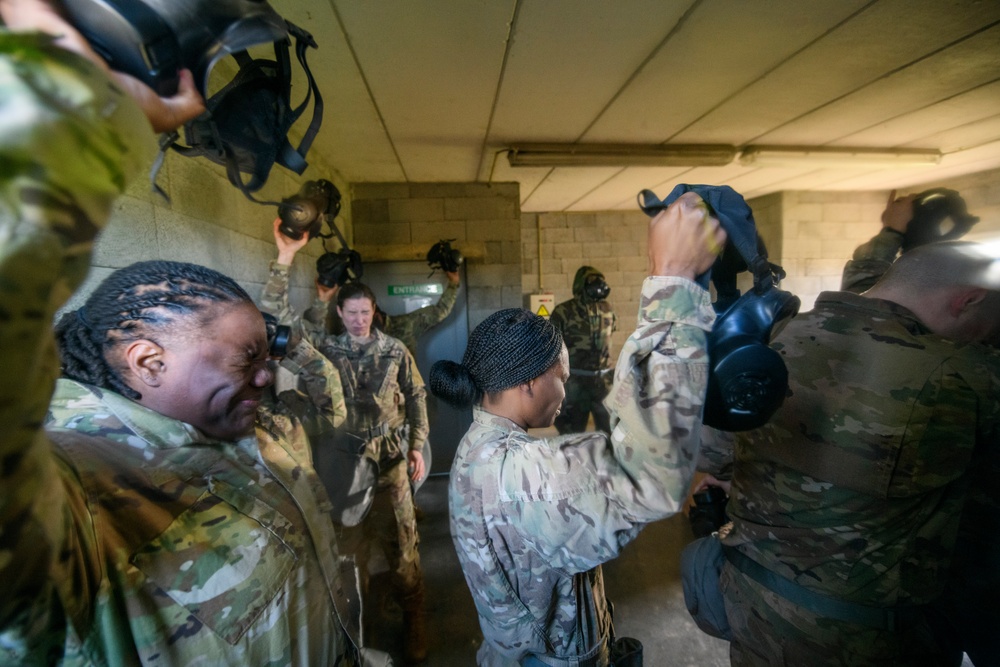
(533, 519)
(855, 488)
(871, 260)
(409, 327)
(379, 380)
(217, 573)
(381, 384)
(965, 617)
(391, 523)
(308, 386)
(104, 545)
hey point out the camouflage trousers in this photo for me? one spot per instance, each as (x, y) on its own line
(770, 631)
(585, 396)
(391, 525)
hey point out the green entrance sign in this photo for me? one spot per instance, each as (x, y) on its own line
(427, 289)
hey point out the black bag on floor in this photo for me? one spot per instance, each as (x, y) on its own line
(626, 652)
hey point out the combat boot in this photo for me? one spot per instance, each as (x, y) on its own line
(414, 630)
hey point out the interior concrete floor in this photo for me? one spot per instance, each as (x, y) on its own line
(643, 583)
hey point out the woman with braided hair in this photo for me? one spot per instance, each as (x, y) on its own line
(533, 519)
(193, 526)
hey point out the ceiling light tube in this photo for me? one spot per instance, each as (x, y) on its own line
(835, 156)
(620, 155)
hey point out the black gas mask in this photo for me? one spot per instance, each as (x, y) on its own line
(339, 268)
(304, 212)
(153, 40)
(278, 336)
(595, 288)
(443, 256)
(747, 380)
(939, 214)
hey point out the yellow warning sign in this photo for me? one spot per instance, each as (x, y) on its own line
(543, 303)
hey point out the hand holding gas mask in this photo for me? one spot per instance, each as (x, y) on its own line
(443, 256)
(747, 379)
(302, 216)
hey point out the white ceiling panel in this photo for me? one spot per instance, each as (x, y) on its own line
(911, 88)
(430, 90)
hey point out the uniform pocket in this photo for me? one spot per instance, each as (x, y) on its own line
(223, 564)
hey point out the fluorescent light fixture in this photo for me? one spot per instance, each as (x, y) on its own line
(836, 156)
(620, 155)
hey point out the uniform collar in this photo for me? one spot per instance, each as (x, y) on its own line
(102, 412)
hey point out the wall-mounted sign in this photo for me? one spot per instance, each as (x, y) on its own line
(427, 289)
(542, 304)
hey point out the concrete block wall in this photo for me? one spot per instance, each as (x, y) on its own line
(813, 234)
(614, 242)
(208, 221)
(401, 221)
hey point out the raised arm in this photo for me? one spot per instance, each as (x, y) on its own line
(65, 159)
(873, 258)
(644, 472)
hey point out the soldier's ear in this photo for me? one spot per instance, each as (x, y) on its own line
(964, 299)
(145, 361)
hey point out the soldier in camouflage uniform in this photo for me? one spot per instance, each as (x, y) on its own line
(116, 515)
(845, 506)
(381, 383)
(965, 618)
(408, 328)
(533, 519)
(586, 323)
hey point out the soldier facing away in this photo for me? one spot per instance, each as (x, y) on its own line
(586, 323)
(846, 505)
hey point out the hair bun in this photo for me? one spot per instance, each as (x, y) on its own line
(452, 383)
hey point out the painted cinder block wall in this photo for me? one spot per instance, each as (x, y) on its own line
(401, 221)
(208, 221)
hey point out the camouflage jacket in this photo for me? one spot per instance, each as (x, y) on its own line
(308, 386)
(871, 260)
(586, 327)
(855, 487)
(533, 519)
(410, 326)
(175, 577)
(70, 591)
(380, 380)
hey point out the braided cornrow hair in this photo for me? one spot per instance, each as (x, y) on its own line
(132, 303)
(508, 348)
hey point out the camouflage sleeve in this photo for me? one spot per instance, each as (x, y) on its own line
(644, 472)
(274, 297)
(319, 381)
(871, 260)
(415, 393)
(314, 319)
(717, 453)
(410, 326)
(69, 142)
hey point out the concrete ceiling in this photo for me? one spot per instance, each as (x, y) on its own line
(436, 90)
